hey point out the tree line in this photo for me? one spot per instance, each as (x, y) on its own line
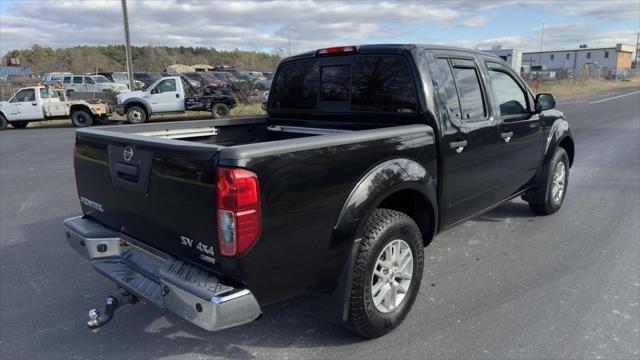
(83, 59)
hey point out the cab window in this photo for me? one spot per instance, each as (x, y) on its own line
(510, 97)
(167, 85)
(25, 95)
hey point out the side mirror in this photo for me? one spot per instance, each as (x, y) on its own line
(154, 91)
(544, 101)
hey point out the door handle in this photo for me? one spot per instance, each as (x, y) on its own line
(177, 96)
(458, 145)
(507, 136)
(34, 103)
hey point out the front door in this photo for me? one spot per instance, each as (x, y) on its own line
(521, 132)
(27, 105)
(470, 140)
(165, 97)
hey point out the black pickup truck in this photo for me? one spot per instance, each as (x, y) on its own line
(367, 152)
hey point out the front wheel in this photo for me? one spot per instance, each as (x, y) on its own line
(81, 118)
(220, 110)
(387, 273)
(136, 115)
(556, 181)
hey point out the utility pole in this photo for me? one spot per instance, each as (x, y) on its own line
(540, 57)
(637, 50)
(127, 48)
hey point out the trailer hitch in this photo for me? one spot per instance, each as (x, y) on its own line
(97, 320)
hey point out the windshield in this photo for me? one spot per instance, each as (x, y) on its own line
(371, 83)
(120, 76)
(101, 79)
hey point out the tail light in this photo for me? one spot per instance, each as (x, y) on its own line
(238, 208)
(337, 50)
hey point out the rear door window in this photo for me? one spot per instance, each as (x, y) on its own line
(77, 79)
(469, 90)
(446, 83)
(67, 80)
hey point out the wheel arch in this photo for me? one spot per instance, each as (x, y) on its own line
(137, 102)
(567, 144)
(78, 107)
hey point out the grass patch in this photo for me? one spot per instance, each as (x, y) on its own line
(575, 87)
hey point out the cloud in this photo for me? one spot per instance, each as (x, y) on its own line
(301, 24)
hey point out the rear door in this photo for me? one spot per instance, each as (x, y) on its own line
(521, 131)
(78, 85)
(165, 96)
(470, 139)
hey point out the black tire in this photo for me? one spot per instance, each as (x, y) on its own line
(136, 115)
(19, 124)
(81, 118)
(220, 111)
(3, 122)
(382, 228)
(553, 200)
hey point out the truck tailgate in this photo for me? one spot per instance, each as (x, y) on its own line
(160, 192)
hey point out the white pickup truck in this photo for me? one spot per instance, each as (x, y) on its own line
(38, 103)
(170, 95)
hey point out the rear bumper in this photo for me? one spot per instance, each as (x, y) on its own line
(188, 291)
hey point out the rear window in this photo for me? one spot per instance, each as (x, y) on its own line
(372, 83)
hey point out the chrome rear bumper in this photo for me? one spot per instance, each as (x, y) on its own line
(188, 291)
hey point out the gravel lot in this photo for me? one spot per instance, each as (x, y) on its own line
(508, 284)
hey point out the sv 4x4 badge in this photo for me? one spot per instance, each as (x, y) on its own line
(205, 249)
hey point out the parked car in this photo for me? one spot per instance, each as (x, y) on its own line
(147, 78)
(205, 79)
(121, 77)
(170, 94)
(53, 77)
(336, 192)
(37, 103)
(91, 84)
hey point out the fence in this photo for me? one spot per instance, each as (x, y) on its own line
(584, 74)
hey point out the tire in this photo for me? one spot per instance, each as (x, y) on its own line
(220, 110)
(3, 122)
(136, 115)
(81, 118)
(385, 228)
(556, 182)
(19, 124)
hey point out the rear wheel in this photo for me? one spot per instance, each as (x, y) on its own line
(19, 124)
(556, 181)
(3, 122)
(387, 273)
(220, 110)
(81, 118)
(136, 115)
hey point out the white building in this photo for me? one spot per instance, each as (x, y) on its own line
(604, 58)
(513, 57)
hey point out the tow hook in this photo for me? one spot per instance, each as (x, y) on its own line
(97, 319)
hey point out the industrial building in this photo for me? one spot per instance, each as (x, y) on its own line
(603, 59)
(513, 57)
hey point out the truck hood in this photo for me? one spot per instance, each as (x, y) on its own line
(123, 96)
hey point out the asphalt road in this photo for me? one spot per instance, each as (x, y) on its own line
(508, 284)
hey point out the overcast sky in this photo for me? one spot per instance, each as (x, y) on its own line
(311, 24)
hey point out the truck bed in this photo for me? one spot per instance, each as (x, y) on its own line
(164, 196)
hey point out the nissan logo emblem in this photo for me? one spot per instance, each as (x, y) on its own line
(128, 153)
